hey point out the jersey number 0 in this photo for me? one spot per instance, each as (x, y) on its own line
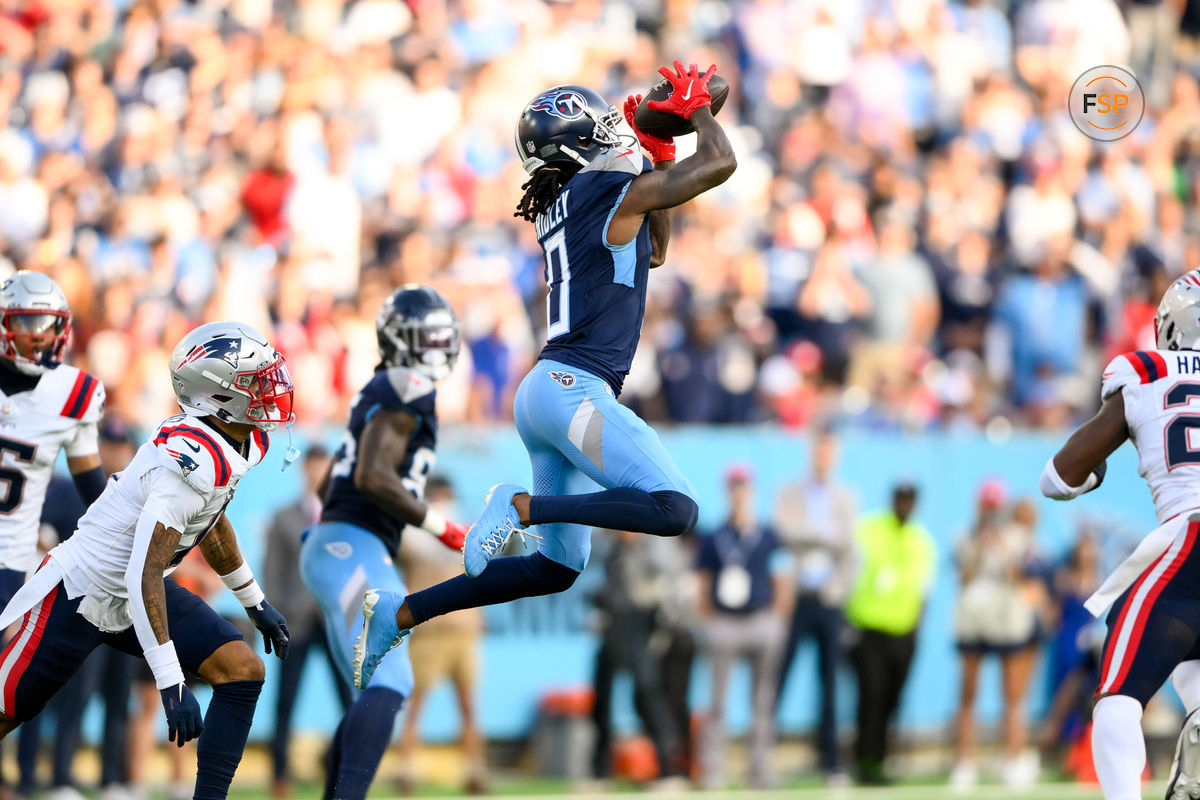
(558, 275)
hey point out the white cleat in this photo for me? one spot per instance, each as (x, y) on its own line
(1185, 771)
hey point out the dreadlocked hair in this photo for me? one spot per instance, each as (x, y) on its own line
(541, 190)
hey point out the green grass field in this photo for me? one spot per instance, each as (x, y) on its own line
(556, 790)
(439, 769)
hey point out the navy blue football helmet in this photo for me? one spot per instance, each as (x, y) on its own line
(417, 328)
(566, 124)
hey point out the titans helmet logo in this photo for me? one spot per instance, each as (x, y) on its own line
(562, 104)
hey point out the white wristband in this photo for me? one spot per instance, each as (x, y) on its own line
(241, 582)
(164, 663)
(434, 522)
(1054, 487)
(250, 596)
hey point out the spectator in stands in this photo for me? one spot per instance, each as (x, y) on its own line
(281, 576)
(446, 648)
(745, 595)
(1042, 318)
(815, 519)
(904, 304)
(1075, 646)
(675, 640)
(227, 138)
(996, 613)
(885, 607)
(636, 578)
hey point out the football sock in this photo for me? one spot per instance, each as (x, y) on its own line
(1118, 747)
(367, 729)
(333, 761)
(29, 741)
(1186, 679)
(226, 726)
(663, 513)
(504, 579)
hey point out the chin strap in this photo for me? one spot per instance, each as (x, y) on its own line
(292, 454)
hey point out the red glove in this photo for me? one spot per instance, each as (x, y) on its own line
(659, 149)
(690, 90)
(455, 536)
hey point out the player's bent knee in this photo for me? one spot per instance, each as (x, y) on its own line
(680, 513)
(233, 661)
(548, 576)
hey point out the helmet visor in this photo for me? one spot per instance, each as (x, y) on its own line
(270, 391)
(35, 336)
(436, 349)
(439, 337)
(36, 322)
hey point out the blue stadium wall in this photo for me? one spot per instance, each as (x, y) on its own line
(542, 644)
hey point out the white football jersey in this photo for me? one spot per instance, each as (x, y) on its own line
(1161, 390)
(60, 412)
(185, 475)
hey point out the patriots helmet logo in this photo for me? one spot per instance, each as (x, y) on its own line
(564, 104)
(225, 348)
(187, 464)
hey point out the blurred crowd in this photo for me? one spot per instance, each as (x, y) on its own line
(917, 235)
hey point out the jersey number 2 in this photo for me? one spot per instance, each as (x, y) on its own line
(1178, 430)
(558, 275)
(13, 478)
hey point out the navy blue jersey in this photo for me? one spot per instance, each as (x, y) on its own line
(597, 292)
(395, 387)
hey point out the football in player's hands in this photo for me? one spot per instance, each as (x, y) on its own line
(1099, 473)
(665, 125)
(455, 536)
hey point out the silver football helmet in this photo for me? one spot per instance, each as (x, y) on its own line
(230, 370)
(1177, 322)
(34, 320)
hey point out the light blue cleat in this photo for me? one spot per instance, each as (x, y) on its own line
(493, 529)
(379, 633)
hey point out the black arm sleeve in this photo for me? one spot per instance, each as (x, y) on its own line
(90, 484)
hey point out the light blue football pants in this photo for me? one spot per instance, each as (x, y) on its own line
(339, 562)
(577, 436)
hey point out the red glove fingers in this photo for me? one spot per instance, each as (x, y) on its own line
(658, 148)
(689, 90)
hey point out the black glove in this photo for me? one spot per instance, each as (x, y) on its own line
(272, 626)
(184, 720)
